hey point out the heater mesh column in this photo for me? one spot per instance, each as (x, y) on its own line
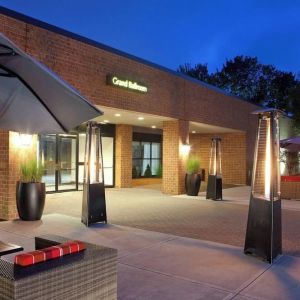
(93, 204)
(214, 184)
(263, 236)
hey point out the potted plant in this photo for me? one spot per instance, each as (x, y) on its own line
(193, 177)
(30, 191)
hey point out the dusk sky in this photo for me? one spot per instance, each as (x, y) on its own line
(171, 33)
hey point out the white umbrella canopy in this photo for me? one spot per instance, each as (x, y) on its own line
(33, 99)
(291, 144)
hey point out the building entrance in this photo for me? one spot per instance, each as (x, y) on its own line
(58, 154)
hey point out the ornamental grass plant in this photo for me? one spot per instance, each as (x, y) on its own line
(31, 171)
(192, 165)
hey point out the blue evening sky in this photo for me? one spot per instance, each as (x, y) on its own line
(170, 33)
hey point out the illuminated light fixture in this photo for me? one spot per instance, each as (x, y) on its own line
(93, 203)
(153, 126)
(214, 183)
(263, 235)
(193, 131)
(141, 118)
(105, 121)
(118, 115)
(25, 140)
(185, 149)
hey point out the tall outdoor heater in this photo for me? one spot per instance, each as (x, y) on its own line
(263, 236)
(214, 184)
(93, 203)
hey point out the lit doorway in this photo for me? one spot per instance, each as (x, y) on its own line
(59, 153)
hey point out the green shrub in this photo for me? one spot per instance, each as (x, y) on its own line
(148, 172)
(192, 165)
(31, 171)
(158, 172)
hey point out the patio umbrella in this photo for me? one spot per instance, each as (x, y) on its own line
(291, 144)
(33, 99)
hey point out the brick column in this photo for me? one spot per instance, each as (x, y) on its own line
(11, 155)
(123, 156)
(175, 133)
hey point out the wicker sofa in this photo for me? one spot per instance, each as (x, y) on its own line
(90, 274)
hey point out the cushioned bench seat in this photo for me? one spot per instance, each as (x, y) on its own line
(88, 274)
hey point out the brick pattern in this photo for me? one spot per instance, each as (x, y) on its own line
(85, 67)
(123, 162)
(233, 149)
(290, 190)
(11, 155)
(175, 133)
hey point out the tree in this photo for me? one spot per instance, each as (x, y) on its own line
(199, 71)
(246, 77)
(241, 76)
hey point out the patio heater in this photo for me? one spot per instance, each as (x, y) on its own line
(214, 184)
(93, 203)
(263, 236)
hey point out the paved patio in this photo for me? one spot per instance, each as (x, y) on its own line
(185, 216)
(154, 265)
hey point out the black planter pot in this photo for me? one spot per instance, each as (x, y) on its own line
(30, 200)
(192, 184)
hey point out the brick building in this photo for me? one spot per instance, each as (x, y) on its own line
(149, 113)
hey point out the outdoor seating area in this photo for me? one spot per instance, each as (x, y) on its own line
(90, 273)
(121, 178)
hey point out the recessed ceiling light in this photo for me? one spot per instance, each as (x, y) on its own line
(153, 126)
(193, 131)
(118, 115)
(140, 118)
(102, 122)
(105, 121)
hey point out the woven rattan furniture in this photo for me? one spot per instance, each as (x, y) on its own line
(89, 274)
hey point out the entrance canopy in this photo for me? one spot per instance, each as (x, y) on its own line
(35, 100)
(153, 122)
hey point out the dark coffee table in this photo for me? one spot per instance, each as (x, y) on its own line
(6, 248)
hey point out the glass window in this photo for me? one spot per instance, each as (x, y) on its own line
(146, 154)
(146, 150)
(136, 150)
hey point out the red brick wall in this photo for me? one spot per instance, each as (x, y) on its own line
(11, 155)
(233, 148)
(86, 66)
(123, 171)
(175, 133)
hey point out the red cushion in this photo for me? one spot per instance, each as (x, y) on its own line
(33, 257)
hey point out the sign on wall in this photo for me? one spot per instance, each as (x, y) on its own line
(128, 84)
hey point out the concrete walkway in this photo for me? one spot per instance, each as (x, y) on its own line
(185, 216)
(161, 266)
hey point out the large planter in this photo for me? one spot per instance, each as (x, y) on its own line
(192, 184)
(30, 198)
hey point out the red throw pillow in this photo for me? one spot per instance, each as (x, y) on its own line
(33, 257)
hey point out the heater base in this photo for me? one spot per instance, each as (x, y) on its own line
(214, 188)
(93, 204)
(263, 236)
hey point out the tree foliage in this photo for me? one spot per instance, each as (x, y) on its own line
(246, 77)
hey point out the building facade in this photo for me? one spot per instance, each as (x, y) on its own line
(150, 112)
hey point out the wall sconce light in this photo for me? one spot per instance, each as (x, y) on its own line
(25, 140)
(93, 204)
(214, 184)
(263, 236)
(185, 149)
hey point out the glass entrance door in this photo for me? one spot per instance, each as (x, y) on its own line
(67, 167)
(58, 153)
